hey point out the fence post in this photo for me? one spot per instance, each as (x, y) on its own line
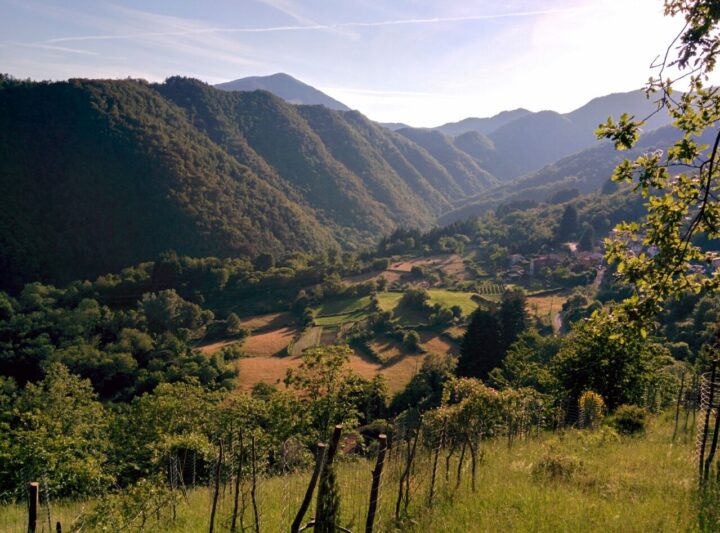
(677, 404)
(319, 459)
(58, 528)
(216, 492)
(372, 507)
(33, 504)
(706, 425)
(330, 456)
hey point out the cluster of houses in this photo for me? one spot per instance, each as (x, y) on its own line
(532, 265)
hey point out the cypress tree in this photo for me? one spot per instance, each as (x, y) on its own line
(568, 224)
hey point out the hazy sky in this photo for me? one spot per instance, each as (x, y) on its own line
(422, 62)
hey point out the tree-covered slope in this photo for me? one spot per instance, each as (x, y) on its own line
(466, 172)
(586, 171)
(483, 150)
(523, 142)
(98, 175)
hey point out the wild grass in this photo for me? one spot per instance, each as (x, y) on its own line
(630, 484)
(617, 484)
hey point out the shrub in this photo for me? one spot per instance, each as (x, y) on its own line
(411, 341)
(629, 419)
(592, 408)
(556, 467)
(232, 352)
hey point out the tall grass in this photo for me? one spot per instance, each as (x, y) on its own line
(628, 484)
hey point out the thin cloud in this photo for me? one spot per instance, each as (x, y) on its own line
(320, 27)
(350, 90)
(50, 47)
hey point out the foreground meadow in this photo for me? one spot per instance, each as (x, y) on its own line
(565, 482)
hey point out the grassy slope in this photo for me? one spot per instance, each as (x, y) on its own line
(634, 485)
(627, 485)
(390, 300)
(336, 312)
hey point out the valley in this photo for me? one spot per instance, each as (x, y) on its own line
(247, 306)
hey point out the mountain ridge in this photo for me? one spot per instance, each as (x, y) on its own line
(286, 87)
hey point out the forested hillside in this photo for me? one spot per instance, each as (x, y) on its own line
(521, 141)
(99, 175)
(90, 166)
(585, 172)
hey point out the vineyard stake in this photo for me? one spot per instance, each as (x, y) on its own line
(376, 473)
(33, 503)
(319, 459)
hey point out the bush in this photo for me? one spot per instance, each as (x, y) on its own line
(411, 341)
(592, 410)
(556, 467)
(232, 352)
(629, 419)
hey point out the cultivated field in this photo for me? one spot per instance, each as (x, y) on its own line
(310, 338)
(547, 308)
(451, 298)
(398, 370)
(269, 343)
(434, 343)
(337, 312)
(266, 322)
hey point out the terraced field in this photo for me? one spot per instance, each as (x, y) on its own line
(337, 312)
(309, 339)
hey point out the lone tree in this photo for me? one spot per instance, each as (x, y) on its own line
(568, 224)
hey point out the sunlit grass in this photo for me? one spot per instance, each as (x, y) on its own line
(628, 484)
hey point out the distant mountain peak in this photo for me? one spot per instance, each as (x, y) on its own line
(286, 87)
(484, 125)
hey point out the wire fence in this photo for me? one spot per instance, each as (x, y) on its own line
(422, 465)
(426, 461)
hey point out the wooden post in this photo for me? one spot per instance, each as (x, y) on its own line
(372, 507)
(33, 505)
(216, 492)
(319, 460)
(238, 487)
(253, 487)
(405, 476)
(58, 528)
(706, 425)
(332, 449)
(436, 455)
(677, 404)
(713, 445)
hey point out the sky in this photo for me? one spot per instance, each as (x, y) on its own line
(420, 62)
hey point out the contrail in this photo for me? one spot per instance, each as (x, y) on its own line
(316, 27)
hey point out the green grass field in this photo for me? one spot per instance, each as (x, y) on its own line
(389, 300)
(451, 298)
(337, 312)
(631, 484)
(623, 484)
